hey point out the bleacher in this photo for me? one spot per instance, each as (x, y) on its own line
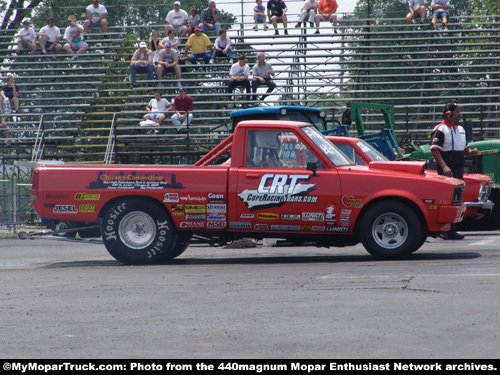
(89, 113)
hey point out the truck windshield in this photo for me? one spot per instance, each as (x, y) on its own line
(312, 117)
(373, 154)
(328, 148)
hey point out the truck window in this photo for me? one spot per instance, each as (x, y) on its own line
(278, 150)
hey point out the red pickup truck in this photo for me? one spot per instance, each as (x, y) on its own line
(284, 180)
(477, 186)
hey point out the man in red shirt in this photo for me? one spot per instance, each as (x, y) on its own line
(183, 106)
(326, 11)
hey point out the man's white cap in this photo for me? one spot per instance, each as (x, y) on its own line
(143, 44)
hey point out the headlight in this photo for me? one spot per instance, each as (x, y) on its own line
(283, 111)
(484, 192)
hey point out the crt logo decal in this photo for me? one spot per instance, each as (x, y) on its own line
(278, 189)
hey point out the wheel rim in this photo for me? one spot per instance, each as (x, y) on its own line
(137, 230)
(390, 230)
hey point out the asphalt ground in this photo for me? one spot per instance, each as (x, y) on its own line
(70, 299)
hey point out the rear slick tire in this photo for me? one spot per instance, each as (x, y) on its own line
(391, 230)
(139, 231)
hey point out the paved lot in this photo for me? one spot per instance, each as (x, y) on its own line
(63, 299)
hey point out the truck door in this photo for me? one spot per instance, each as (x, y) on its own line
(275, 191)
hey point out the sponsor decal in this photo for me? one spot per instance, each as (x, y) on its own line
(65, 209)
(196, 217)
(178, 213)
(177, 207)
(240, 225)
(261, 227)
(290, 217)
(216, 208)
(216, 197)
(216, 217)
(434, 207)
(349, 200)
(313, 216)
(193, 199)
(135, 180)
(194, 208)
(86, 208)
(278, 189)
(216, 224)
(331, 222)
(337, 229)
(50, 196)
(192, 224)
(247, 216)
(267, 216)
(318, 228)
(330, 212)
(305, 228)
(346, 211)
(285, 227)
(171, 197)
(428, 200)
(87, 197)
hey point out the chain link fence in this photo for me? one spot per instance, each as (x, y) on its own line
(15, 204)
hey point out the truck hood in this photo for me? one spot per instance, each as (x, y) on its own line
(413, 167)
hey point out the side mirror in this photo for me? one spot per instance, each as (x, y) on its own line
(311, 166)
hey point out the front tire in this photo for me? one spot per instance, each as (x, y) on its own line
(391, 230)
(139, 231)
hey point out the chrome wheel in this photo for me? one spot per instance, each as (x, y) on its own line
(390, 230)
(137, 230)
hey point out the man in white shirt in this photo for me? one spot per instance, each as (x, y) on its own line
(49, 37)
(26, 38)
(74, 38)
(157, 108)
(96, 17)
(239, 73)
(177, 20)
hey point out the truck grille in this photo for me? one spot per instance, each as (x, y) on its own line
(458, 194)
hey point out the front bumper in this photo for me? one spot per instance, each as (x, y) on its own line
(480, 205)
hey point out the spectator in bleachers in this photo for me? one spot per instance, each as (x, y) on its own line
(307, 13)
(326, 11)
(259, 15)
(417, 9)
(96, 17)
(199, 42)
(210, 18)
(262, 75)
(170, 38)
(142, 62)
(3, 125)
(222, 47)
(154, 45)
(74, 38)
(49, 37)
(193, 20)
(168, 62)
(157, 108)
(177, 20)
(441, 11)
(276, 11)
(239, 73)
(26, 38)
(183, 106)
(10, 94)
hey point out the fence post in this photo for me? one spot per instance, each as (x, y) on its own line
(14, 202)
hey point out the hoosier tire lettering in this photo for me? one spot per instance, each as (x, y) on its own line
(139, 231)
